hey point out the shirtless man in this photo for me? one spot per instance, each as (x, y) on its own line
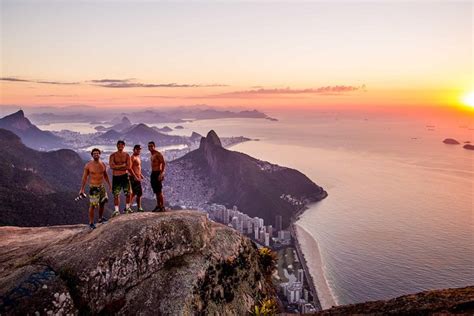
(96, 171)
(136, 177)
(157, 176)
(120, 164)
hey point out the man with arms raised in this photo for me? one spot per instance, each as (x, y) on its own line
(136, 177)
(119, 162)
(157, 176)
(96, 171)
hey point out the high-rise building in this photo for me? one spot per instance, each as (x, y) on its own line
(300, 275)
(226, 216)
(306, 295)
(256, 233)
(262, 235)
(244, 220)
(270, 230)
(249, 227)
(294, 292)
(235, 223)
(267, 240)
(284, 236)
(278, 221)
(240, 227)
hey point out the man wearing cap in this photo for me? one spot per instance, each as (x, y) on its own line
(120, 164)
(136, 177)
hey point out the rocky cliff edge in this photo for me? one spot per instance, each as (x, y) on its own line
(156, 264)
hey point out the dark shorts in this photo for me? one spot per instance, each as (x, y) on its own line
(136, 187)
(156, 184)
(120, 183)
(97, 195)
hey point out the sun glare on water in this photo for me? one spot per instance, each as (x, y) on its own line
(468, 99)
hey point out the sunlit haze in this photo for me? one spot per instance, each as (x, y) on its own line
(260, 54)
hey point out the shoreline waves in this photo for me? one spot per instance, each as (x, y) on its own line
(307, 246)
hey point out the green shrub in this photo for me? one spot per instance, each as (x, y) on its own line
(265, 307)
(268, 260)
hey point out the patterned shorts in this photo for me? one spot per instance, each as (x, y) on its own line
(97, 195)
(120, 183)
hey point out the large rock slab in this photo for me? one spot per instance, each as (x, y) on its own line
(177, 263)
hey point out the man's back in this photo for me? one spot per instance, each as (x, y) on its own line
(157, 161)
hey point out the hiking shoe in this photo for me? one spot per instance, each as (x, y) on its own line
(128, 211)
(156, 209)
(140, 210)
(92, 226)
(102, 220)
(115, 213)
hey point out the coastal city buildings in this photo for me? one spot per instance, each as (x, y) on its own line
(296, 295)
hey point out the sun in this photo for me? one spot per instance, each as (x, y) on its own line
(468, 99)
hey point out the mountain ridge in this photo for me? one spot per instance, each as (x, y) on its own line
(256, 187)
(38, 188)
(29, 133)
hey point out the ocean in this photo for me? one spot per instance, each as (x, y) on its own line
(399, 215)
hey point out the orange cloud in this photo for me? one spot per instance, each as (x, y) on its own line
(14, 79)
(328, 90)
(128, 83)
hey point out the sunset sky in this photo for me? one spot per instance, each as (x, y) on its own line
(259, 54)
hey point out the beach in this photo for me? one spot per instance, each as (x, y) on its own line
(308, 251)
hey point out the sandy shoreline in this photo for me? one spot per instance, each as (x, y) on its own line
(308, 250)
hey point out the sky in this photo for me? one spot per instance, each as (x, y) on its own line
(221, 53)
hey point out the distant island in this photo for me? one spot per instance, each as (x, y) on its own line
(451, 141)
(468, 147)
(173, 115)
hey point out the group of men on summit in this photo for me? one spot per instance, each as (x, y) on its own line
(126, 176)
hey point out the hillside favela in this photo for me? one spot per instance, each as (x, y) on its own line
(236, 157)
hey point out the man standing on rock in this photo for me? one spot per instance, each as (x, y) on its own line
(120, 164)
(96, 171)
(136, 177)
(157, 176)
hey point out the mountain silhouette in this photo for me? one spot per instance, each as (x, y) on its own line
(29, 133)
(38, 188)
(111, 135)
(256, 187)
(123, 125)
